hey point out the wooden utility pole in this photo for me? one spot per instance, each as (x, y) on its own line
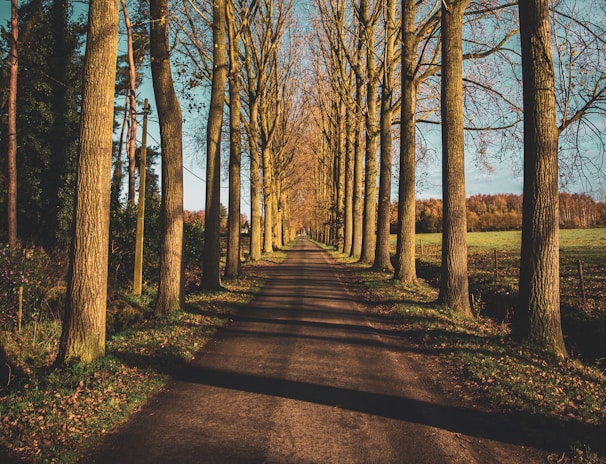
(138, 277)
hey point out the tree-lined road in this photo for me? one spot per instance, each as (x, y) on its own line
(306, 375)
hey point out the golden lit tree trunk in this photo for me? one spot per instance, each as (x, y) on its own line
(170, 292)
(268, 193)
(369, 233)
(211, 273)
(454, 287)
(83, 336)
(537, 318)
(405, 270)
(358, 176)
(348, 208)
(233, 263)
(383, 250)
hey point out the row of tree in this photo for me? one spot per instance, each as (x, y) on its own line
(311, 121)
(460, 69)
(245, 50)
(504, 212)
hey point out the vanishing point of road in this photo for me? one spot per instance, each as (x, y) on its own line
(307, 375)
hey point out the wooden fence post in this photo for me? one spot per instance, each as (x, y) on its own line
(20, 310)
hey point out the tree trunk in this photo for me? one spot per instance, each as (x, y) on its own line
(83, 336)
(348, 213)
(131, 145)
(255, 186)
(267, 199)
(537, 318)
(170, 291)
(340, 175)
(358, 181)
(369, 238)
(211, 274)
(12, 127)
(383, 251)
(454, 290)
(405, 250)
(233, 264)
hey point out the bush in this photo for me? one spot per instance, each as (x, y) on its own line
(26, 269)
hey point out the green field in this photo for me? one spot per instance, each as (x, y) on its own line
(571, 240)
(496, 292)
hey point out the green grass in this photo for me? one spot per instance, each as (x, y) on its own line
(584, 322)
(49, 415)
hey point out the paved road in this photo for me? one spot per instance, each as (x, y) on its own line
(306, 376)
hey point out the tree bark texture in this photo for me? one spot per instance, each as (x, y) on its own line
(454, 290)
(537, 317)
(348, 212)
(268, 193)
(405, 270)
(358, 176)
(340, 177)
(255, 183)
(369, 239)
(170, 288)
(383, 250)
(233, 263)
(12, 127)
(83, 335)
(211, 274)
(132, 107)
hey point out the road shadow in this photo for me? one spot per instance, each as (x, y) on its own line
(520, 429)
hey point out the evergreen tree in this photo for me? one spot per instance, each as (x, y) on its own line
(48, 123)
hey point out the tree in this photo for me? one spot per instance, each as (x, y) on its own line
(233, 264)
(48, 101)
(12, 127)
(211, 275)
(454, 287)
(83, 335)
(368, 20)
(405, 270)
(537, 317)
(170, 294)
(383, 250)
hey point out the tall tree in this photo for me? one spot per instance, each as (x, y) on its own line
(83, 335)
(48, 98)
(405, 270)
(538, 314)
(368, 20)
(233, 264)
(131, 138)
(170, 294)
(12, 126)
(383, 250)
(454, 287)
(211, 274)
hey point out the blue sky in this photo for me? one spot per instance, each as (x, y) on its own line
(504, 178)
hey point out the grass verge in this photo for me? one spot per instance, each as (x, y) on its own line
(55, 415)
(567, 397)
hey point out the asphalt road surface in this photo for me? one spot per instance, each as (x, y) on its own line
(307, 375)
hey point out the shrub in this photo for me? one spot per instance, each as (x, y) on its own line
(26, 269)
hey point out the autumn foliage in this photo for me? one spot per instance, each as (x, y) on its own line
(504, 212)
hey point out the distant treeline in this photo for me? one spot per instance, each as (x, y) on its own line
(504, 212)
